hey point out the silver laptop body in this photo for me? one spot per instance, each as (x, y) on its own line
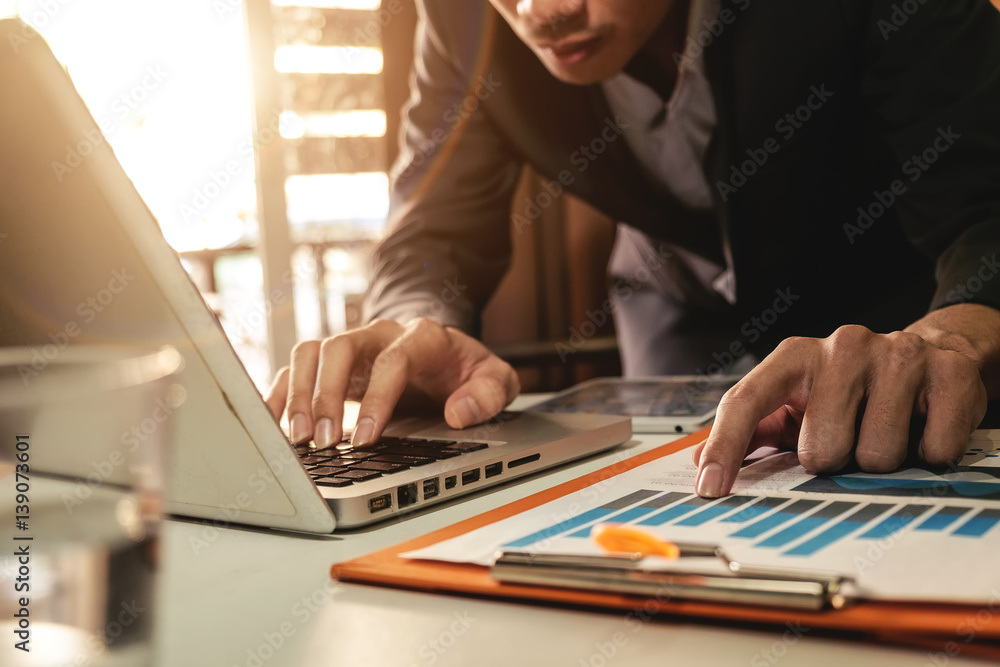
(83, 262)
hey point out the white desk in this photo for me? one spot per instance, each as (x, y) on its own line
(219, 607)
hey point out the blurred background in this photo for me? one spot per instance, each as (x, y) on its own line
(273, 186)
(170, 82)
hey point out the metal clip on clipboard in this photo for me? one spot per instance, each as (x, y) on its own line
(625, 574)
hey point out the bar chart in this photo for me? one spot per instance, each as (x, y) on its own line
(786, 525)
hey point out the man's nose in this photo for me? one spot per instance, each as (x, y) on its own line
(550, 12)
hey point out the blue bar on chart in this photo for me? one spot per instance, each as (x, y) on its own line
(943, 518)
(671, 513)
(979, 524)
(806, 525)
(894, 523)
(713, 511)
(793, 511)
(839, 530)
(762, 506)
(634, 513)
(585, 518)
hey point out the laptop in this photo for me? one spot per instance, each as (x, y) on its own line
(83, 262)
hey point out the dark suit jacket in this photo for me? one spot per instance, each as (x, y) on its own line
(806, 204)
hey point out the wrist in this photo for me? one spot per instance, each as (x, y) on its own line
(969, 329)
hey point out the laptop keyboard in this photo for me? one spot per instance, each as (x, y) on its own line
(344, 464)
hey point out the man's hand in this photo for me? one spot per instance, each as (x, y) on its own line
(856, 393)
(380, 364)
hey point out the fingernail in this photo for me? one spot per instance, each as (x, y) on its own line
(709, 481)
(363, 431)
(324, 432)
(466, 412)
(299, 425)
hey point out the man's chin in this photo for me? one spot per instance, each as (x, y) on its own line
(580, 75)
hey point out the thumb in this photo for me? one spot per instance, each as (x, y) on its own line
(483, 396)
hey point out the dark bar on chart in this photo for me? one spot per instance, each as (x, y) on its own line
(806, 524)
(895, 522)
(630, 499)
(943, 518)
(763, 506)
(634, 513)
(979, 524)
(583, 519)
(671, 513)
(793, 511)
(841, 529)
(709, 513)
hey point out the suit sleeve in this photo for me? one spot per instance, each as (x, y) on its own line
(449, 240)
(932, 79)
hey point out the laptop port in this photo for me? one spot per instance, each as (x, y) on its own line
(523, 461)
(379, 503)
(431, 488)
(493, 469)
(406, 495)
(450, 482)
(470, 476)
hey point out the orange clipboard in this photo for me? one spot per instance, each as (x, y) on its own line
(946, 629)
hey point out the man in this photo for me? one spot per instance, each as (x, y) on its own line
(806, 169)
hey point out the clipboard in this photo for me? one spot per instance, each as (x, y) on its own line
(950, 629)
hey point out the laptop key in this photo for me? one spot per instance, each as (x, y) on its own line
(333, 481)
(412, 461)
(358, 475)
(315, 459)
(401, 450)
(380, 466)
(356, 455)
(465, 447)
(322, 471)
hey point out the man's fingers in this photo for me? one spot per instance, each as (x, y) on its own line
(955, 407)
(340, 360)
(302, 379)
(827, 436)
(486, 393)
(423, 345)
(277, 393)
(884, 435)
(767, 387)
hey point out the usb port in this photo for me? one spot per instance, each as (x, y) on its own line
(406, 495)
(431, 488)
(378, 503)
(494, 469)
(450, 482)
(470, 476)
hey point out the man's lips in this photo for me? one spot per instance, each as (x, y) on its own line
(570, 51)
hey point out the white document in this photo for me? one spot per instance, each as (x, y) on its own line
(911, 535)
